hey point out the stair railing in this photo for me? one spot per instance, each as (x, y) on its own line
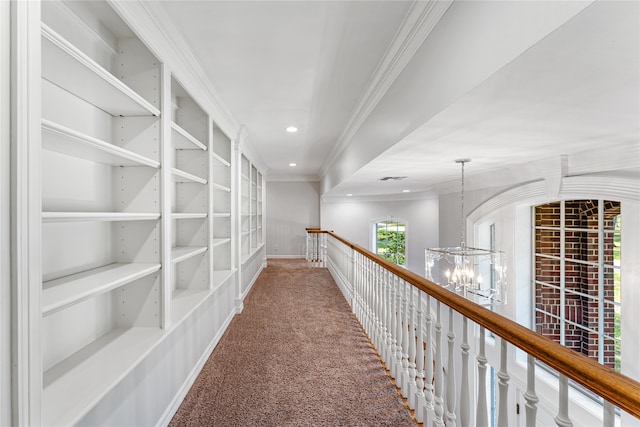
(396, 309)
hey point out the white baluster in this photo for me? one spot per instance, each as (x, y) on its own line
(420, 399)
(608, 415)
(531, 400)
(437, 375)
(352, 278)
(404, 378)
(367, 297)
(361, 288)
(379, 293)
(464, 385)
(412, 387)
(482, 419)
(562, 418)
(451, 375)
(503, 386)
(356, 283)
(391, 356)
(399, 314)
(373, 302)
(429, 409)
(366, 294)
(356, 275)
(383, 313)
(388, 320)
(315, 248)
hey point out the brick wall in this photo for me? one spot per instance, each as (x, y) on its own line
(581, 244)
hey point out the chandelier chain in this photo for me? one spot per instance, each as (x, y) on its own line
(463, 227)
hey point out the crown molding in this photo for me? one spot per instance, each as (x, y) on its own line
(292, 178)
(415, 28)
(152, 24)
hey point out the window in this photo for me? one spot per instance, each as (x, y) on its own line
(577, 276)
(389, 238)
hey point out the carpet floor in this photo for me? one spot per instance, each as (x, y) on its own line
(295, 356)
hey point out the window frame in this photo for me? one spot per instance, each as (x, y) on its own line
(564, 257)
(373, 224)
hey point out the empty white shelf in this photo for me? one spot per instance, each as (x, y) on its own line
(221, 276)
(198, 215)
(181, 253)
(181, 139)
(73, 143)
(221, 215)
(220, 159)
(97, 216)
(182, 176)
(75, 385)
(60, 293)
(184, 301)
(220, 187)
(66, 66)
(220, 241)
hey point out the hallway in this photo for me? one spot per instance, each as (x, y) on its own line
(295, 356)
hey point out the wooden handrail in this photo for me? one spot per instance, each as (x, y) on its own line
(620, 390)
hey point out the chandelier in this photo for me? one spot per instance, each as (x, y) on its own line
(477, 274)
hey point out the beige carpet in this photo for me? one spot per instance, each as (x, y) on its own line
(295, 356)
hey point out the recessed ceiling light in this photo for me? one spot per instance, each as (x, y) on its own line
(292, 164)
(406, 191)
(292, 129)
(349, 195)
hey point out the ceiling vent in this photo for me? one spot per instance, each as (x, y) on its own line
(392, 178)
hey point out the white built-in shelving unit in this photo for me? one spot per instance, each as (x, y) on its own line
(245, 207)
(136, 197)
(251, 208)
(100, 211)
(221, 207)
(259, 209)
(189, 191)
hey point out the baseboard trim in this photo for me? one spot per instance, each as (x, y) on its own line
(285, 256)
(253, 281)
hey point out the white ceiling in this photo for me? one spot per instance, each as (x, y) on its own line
(282, 63)
(309, 63)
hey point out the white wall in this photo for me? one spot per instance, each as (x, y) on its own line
(5, 278)
(351, 220)
(291, 207)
